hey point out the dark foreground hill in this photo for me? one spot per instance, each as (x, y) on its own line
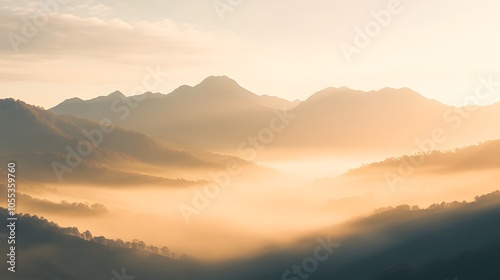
(66, 148)
(445, 241)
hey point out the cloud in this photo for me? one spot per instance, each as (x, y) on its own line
(68, 34)
(33, 41)
(81, 45)
(92, 9)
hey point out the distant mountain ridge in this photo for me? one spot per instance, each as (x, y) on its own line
(419, 177)
(194, 117)
(41, 138)
(219, 115)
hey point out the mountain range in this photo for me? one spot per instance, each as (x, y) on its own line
(177, 140)
(51, 147)
(219, 115)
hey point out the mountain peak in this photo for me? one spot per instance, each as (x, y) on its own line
(116, 94)
(218, 79)
(8, 101)
(345, 91)
(219, 82)
(73, 100)
(21, 114)
(404, 90)
(214, 87)
(10, 104)
(112, 96)
(331, 91)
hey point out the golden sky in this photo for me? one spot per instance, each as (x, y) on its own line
(287, 48)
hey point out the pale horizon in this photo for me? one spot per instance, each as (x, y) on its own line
(440, 59)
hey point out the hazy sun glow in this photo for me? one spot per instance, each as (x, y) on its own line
(436, 48)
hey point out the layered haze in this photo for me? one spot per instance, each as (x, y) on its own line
(259, 140)
(163, 172)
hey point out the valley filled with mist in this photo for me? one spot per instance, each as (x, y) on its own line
(257, 179)
(249, 140)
